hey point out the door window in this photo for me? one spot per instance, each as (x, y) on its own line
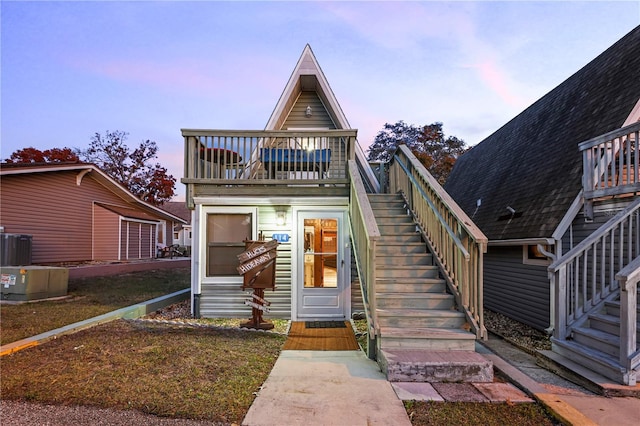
(320, 253)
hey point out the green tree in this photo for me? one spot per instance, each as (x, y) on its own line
(428, 143)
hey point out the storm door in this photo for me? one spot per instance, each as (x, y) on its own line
(320, 283)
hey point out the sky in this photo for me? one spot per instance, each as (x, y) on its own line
(71, 69)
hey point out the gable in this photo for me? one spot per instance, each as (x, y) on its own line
(532, 164)
(308, 112)
(307, 83)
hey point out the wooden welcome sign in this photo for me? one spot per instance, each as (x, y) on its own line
(258, 267)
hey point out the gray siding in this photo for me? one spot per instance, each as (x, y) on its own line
(514, 289)
(319, 118)
(226, 299)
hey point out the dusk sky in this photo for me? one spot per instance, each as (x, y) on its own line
(71, 69)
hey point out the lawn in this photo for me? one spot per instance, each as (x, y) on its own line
(170, 370)
(88, 297)
(184, 372)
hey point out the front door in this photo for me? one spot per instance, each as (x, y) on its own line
(320, 282)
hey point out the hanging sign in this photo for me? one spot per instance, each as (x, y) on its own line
(254, 263)
(257, 250)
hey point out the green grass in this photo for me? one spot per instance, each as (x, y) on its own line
(170, 370)
(88, 297)
(183, 372)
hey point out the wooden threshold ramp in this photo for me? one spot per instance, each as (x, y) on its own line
(321, 339)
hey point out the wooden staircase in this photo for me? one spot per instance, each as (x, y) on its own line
(595, 344)
(423, 337)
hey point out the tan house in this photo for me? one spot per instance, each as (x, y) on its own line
(75, 212)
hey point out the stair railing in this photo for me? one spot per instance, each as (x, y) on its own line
(457, 243)
(586, 275)
(628, 279)
(365, 235)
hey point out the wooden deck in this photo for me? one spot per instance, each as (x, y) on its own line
(321, 339)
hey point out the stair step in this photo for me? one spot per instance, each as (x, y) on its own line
(604, 364)
(407, 271)
(427, 339)
(400, 238)
(404, 285)
(415, 301)
(609, 324)
(388, 219)
(439, 318)
(406, 365)
(596, 339)
(613, 307)
(400, 248)
(397, 228)
(405, 259)
(421, 285)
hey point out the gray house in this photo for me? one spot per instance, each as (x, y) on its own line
(555, 190)
(301, 197)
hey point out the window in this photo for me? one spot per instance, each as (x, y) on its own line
(225, 236)
(532, 255)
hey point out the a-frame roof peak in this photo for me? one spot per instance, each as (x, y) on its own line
(307, 76)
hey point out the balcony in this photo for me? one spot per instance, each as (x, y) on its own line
(610, 163)
(283, 162)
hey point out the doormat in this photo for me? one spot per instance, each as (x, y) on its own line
(325, 324)
(320, 339)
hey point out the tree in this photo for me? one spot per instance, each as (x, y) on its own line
(53, 155)
(133, 169)
(428, 143)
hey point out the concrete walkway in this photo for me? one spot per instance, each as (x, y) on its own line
(326, 388)
(345, 387)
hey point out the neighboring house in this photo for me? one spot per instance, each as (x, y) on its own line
(76, 212)
(555, 190)
(181, 232)
(304, 181)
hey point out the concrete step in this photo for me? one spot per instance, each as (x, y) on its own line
(399, 285)
(415, 301)
(407, 271)
(407, 365)
(427, 339)
(418, 318)
(405, 259)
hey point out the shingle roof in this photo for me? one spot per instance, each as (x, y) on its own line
(532, 164)
(178, 208)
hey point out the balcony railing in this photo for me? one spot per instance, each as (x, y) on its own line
(610, 163)
(283, 157)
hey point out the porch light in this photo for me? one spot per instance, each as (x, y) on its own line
(308, 111)
(281, 217)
